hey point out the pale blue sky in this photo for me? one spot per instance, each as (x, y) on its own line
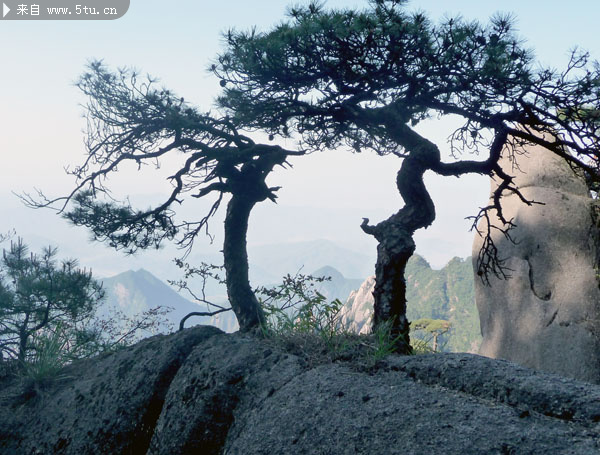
(40, 120)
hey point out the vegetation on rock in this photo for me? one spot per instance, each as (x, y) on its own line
(42, 301)
(52, 313)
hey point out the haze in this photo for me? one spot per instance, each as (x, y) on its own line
(324, 196)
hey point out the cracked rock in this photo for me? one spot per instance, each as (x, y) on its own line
(201, 391)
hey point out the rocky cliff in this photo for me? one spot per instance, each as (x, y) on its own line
(547, 314)
(436, 294)
(202, 391)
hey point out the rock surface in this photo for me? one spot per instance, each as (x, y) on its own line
(205, 392)
(106, 405)
(357, 312)
(547, 315)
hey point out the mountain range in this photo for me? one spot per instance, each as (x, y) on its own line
(307, 257)
(133, 292)
(437, 294)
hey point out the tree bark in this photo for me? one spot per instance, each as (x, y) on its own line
(244, 303)
(247, 187)
(396, 246)
(23, 338)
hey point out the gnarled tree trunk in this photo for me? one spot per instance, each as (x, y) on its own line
(247, 187)
(396, 246)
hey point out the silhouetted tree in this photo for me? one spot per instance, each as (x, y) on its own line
(130, 120)
(365, 79)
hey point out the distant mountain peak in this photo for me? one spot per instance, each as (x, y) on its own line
(136, 291)
(420, 261)
(134, 274)
(145, 273)
(306, 256)
(329, 271)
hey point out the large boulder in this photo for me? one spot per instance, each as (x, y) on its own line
(205, 397)
(547, 314)
(106, 405)
(210, 393)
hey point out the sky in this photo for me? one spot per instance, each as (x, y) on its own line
(324, 195)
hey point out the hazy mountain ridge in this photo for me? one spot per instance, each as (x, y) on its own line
(438, 294)
(305, 257)
(134, 292)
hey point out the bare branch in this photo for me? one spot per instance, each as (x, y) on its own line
(200, 313)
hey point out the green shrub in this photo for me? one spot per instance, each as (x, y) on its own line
(303, 321)
(49, 357)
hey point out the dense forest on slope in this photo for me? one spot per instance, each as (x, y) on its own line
(445, 294)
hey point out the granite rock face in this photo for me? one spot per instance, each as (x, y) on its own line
(205, 398)
(447, 293)
(547, 315)
(357, 312)
(205, 392)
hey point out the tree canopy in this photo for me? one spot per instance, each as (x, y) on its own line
(365, 79)
(132, 120)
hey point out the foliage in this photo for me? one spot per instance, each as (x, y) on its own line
(293, 306)
(49, 316)
(438, 326)
(434, 328)
(296, 306)
(384, 342)
(334, 75)
(37, 295)
(133, 121)
(56, 347)
(301, 319)
(50, 355)
(446, 294)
